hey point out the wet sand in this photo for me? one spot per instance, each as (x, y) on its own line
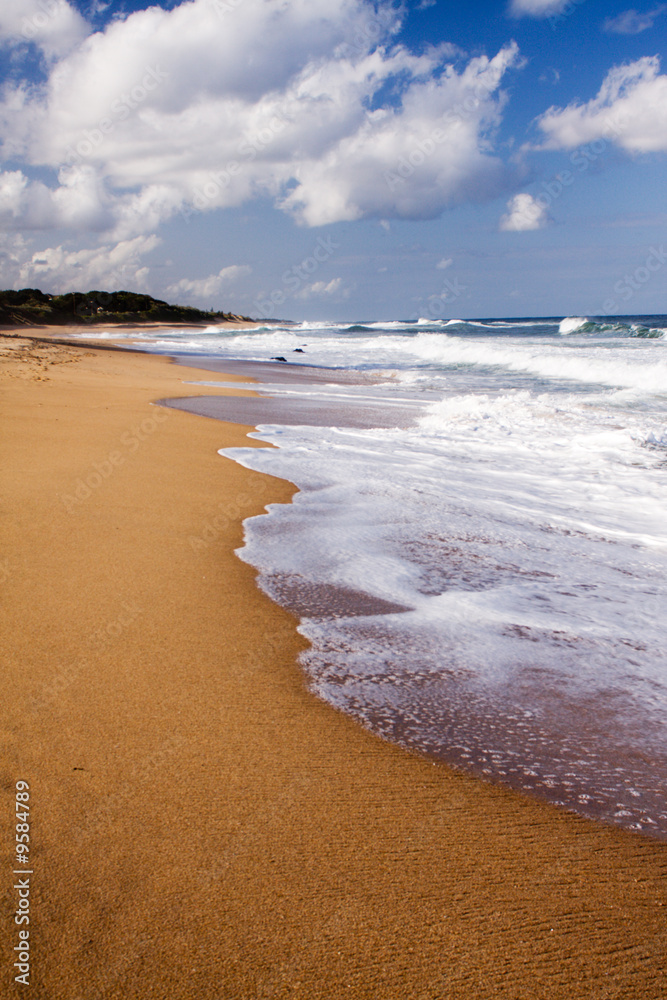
(202, 826)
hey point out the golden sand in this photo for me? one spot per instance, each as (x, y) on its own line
(201, 826)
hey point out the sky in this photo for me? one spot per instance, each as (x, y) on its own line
(338, 159)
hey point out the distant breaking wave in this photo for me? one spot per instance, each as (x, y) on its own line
(572, 324)
(580, 325)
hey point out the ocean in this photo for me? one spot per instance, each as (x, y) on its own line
(478, 549)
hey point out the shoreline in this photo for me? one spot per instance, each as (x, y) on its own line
(555, 775)
(57, 334)
(203, 826)
(27, 328)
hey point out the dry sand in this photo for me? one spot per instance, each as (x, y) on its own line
(203, 827)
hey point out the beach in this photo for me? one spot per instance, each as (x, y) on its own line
(201, 825)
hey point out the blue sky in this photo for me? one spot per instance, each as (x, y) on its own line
(338, 159)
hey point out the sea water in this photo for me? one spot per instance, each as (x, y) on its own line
(482, 576)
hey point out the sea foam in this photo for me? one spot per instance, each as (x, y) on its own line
(485, 581)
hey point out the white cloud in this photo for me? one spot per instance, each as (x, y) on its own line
(443, 264)
(53, 25)
(13, 252)
(629, 110)
(412, 161)
(537, 8)
(550, 75)
(12, 191)
(79, 202)
(205, 288)
(195, 108)
(633, 22)
(110, 268)
(524, 213)
(322, 288)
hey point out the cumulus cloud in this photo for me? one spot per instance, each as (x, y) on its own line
(411, 161)
(210, 104)
(12, 189)
(633, 22)
(13, 252)
(79, 202)
(630, 110)
(319, 289)
(205, 288)
(111, 268)
(524, 213)
(537, 8)
(53, 25)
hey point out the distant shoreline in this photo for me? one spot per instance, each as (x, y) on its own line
(30, 307)
(26, 329)
(53, 333)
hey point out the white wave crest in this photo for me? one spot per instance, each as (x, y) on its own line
(571, 324)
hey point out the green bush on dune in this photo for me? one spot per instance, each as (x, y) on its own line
(30, 307)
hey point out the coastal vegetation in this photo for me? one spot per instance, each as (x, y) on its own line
(32, 307)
